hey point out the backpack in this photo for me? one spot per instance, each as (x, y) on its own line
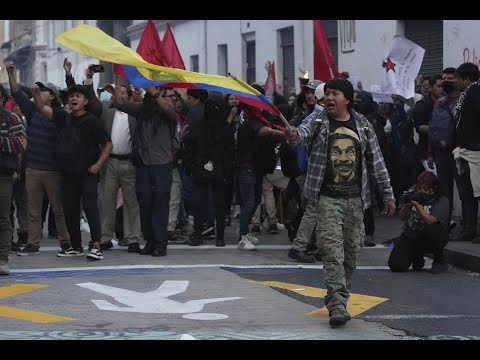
(71, 152)
(441, 128)
(289, 160)
(266, 156)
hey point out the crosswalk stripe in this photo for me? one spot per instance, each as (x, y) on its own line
(203, 247)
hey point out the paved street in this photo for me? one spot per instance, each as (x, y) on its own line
(223, 293)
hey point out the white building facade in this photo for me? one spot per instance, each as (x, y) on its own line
(242, 47)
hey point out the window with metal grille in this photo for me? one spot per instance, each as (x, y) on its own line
(251, 62)
(288, 60)
(223, 60)
(194, 63)
(429, 35)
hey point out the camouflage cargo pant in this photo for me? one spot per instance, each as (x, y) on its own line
(340, 234)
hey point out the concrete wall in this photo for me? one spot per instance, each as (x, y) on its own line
(372, 41)
(56, 54)
(461, 42)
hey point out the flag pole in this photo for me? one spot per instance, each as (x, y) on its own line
(331, 72)
(287, 125)
(244, 84)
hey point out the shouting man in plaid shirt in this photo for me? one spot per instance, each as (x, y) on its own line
(345, 157)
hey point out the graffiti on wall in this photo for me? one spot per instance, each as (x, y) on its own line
(470, 55)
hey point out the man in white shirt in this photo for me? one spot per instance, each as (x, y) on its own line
(119, 172)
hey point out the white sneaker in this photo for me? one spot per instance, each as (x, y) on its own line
(4, 269)
(245, 244)
(280, 226)
(252, 238)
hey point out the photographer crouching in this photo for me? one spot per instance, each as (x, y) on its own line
(425, 211)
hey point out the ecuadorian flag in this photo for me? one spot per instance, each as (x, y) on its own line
(93, 42)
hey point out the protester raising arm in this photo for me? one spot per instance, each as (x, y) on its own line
(27, 107)
(67, 66)
(41, 107)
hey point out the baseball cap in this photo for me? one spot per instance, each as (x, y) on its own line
(312, 85)
(319, 93)
(107, 86)
(49, 86)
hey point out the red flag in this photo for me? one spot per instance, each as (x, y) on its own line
(150, 49)
(171, 49)
(118, 70)
(274, 79)
(323, 64)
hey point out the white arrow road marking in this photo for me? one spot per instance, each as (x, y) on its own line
(155, 301)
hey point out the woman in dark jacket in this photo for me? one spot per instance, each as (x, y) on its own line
(211, 143)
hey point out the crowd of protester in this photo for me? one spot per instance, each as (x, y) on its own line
(163, 165)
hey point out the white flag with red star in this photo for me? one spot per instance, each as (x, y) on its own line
(402, 64)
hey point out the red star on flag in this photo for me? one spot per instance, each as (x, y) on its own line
(389, 65)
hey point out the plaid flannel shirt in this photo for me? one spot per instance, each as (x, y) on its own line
(373, 165)
(13, 137)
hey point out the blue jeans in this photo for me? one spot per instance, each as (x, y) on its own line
(250, 186)
(153, 183)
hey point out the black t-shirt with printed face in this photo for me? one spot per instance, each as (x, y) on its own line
(343, 174)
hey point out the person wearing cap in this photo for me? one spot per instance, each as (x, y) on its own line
(41, 174)
(345, 157)
(12, 144)
(309, 90)
(152, 152)
(426, 216)
(105, 93)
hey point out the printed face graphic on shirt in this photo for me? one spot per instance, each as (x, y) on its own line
(343, 155)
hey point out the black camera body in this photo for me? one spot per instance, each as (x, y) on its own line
(409, 196)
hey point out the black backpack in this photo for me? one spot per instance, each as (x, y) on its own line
(71, 152)
(289, 160)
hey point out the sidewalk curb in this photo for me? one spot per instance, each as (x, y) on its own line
(462, 260)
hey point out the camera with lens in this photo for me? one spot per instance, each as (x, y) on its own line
(410, 195)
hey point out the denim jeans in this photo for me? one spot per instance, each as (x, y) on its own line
(250, 186)
(153, 183)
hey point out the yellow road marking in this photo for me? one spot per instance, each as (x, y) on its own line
(357, 303)
(33, 316)
(17, 289)
(22, 314)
